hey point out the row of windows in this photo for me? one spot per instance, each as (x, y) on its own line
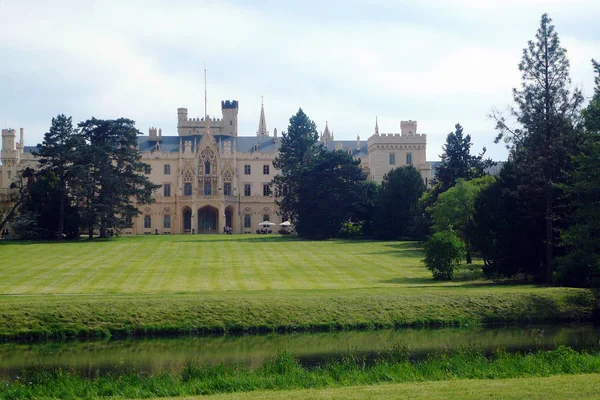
(148, 222)
(167, 221)
(393, 158)
(187, 189)
(247, 169)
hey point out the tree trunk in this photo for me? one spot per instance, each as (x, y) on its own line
(549, 238)
(469, 259)
(61, 213)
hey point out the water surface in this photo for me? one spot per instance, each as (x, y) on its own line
(159, 354)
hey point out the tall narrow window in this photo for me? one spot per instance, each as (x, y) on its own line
(247, 169)
(167, 189)
(392, 158)
(187, 189)
(408, 158)
(147, 222)
(207, 188)
(266, 190)
(148, 170)
(167, 222)
(167, 169)
(247, 189)
(227, 189)
(207, 168)
(266, 169)
(247, 221)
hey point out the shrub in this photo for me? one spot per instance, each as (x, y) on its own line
(577, 269)
(443, 253)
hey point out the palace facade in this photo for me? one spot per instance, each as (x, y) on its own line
(212, 178)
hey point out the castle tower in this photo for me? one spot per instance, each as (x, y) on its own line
(229, 109)
(409, 128)
(9, 156)
(262, 123)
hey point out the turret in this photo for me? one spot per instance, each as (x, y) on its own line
(357, 142)
(182, 114)
(409, 128)
(230, 108)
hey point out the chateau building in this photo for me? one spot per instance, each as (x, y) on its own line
(212, 178)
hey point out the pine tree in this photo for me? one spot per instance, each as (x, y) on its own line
(59, 154)
(299, 145)
(457, 161)
(115, 179)
(545, 140)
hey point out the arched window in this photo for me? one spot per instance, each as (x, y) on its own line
(147, 222)
(167, 222)
(167, 169)
(207, 167)
(207, 188)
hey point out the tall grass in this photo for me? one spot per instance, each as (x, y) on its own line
(284, 372)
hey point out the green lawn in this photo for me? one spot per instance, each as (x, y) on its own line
(193, 264)
(219, 283)
(585, 386)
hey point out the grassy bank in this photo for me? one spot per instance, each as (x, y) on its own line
(103, 316)
(285, 373)
(582, 387)
(233, 283)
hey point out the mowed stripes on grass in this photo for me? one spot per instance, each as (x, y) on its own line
(201, 263)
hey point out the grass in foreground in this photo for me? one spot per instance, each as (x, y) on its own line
(285, 373)
(581, 387)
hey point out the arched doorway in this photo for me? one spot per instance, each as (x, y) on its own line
(207, 220)
(187, 220)
(229, 216)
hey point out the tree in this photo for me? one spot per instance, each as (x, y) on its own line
(546, 137)
(59, 155)
(455, 208)
(114, 175)
(457, 161)
(504, 230)
(443, 252)
(299, 145)
(21, 191)
(397, 206)
(583, 192)
(329, 188)
(39, 214)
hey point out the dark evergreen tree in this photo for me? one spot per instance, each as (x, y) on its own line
(39, 214)
(457, 161)
(59, 157)
(329, 188)
(397, 207)
(503, 230)
(583, 191)
(546, 138)
(114, 184)
(299, 146)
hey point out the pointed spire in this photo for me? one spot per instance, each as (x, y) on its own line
(376, 126)
(327, 135)
(262, 124)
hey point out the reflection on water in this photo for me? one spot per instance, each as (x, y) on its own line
(152, 355)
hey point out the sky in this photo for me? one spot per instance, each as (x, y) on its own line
(347, 62)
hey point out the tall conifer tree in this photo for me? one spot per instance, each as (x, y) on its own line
(546, 138)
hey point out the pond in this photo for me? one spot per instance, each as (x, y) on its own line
(159, 354)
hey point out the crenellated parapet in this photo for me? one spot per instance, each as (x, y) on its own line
(227, 125)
